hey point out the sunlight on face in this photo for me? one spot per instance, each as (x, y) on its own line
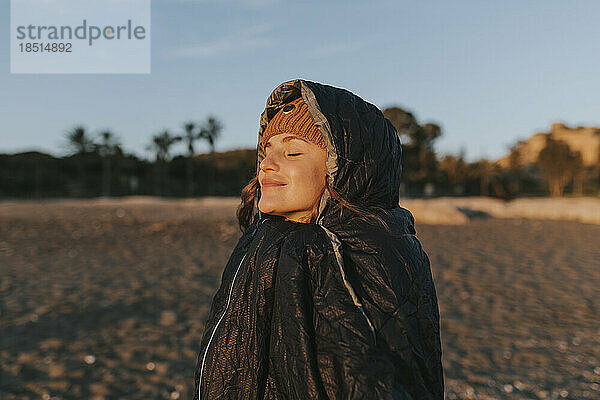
(292, 177)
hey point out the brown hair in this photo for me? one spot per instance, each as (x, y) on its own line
(245, 210)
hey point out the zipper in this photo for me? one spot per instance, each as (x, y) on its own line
(224, 312)
(338, 255)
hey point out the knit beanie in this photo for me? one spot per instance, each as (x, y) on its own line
(294, 119)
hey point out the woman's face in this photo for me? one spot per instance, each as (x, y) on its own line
(292, 177)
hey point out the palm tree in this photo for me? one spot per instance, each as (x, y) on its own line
(79, 144)
(161, 144)
(211, 131)
(78, 140)
(108, 147)
(190, 137)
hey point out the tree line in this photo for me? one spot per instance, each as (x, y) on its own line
(97, 165)
(557, 170)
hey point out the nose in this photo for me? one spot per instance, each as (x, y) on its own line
(269, 162)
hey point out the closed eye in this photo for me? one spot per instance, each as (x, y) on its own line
(294, 154)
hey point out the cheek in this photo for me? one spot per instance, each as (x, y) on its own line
(318, 178)
(310, 181)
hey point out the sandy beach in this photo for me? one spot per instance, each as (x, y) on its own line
(106, 298)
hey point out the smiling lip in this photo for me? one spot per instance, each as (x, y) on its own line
(271, 183)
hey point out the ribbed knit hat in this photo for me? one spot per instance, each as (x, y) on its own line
(294, 119)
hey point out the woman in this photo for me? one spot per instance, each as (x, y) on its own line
(328, 293)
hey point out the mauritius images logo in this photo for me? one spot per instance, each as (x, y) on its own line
(89, 33)
(74, 36)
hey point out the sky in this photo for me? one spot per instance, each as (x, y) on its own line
(488, 72)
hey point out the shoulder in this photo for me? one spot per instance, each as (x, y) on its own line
(313, 236)
(305, 240)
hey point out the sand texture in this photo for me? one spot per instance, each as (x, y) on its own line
(106, 299)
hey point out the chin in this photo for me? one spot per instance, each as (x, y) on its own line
(267, 207)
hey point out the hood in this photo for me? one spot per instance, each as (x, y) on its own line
(364, 151)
